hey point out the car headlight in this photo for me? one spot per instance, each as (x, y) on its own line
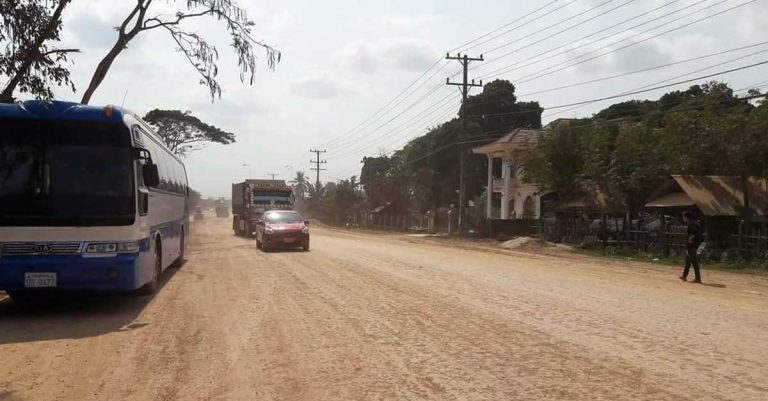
(305, 230)
(112, 247)
(269, 230)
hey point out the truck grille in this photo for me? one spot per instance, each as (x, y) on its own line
(40, 248)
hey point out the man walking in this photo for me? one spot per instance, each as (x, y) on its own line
(694, 238)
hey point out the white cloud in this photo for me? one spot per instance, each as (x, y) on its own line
(403, 23)
(320, 86)
(367, 57)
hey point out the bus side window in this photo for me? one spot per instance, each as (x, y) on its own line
(177, 186)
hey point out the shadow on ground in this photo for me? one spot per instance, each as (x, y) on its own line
(70, 315)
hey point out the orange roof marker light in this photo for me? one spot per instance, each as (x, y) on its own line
(108, 111)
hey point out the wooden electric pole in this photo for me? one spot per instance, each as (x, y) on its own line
(317, 163)
(464, 85)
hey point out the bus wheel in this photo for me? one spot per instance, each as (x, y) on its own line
(157, 266)
(21, 297)
(180, 260)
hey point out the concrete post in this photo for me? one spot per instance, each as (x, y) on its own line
(489, 195)
(506, 176)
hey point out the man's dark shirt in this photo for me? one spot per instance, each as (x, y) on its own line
(694, 229)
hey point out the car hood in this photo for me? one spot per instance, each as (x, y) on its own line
(286, 226)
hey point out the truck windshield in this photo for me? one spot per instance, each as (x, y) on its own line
(57, 173)
(277, 197)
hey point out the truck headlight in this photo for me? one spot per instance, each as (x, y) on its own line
(269, 230)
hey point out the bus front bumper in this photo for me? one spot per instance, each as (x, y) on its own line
(71, 272)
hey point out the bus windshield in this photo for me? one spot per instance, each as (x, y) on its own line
(65, 173)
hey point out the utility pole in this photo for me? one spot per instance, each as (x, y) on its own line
(465, 85)
(273, 175)
(317, 163)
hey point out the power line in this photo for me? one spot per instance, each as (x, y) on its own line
(672, 78)
(399, 114)
(520, 26)
(502, 27)
(398, 130)
(434, 122)
(387, 104)
(352, 138)
(569, 127)
(561, 106)
(508, 68)
(649, 69)
(368, 121)
(561, 22)
(533, 76)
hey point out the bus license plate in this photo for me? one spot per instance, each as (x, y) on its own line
(288, 240)
(39, 280)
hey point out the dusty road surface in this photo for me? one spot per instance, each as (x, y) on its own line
(367, 317)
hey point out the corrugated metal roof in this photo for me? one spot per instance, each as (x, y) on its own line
(722, 195)
(519, 139)
(674, 199)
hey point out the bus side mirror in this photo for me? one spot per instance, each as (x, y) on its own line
(151, 175)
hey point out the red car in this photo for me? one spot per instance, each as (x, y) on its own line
(282, 229)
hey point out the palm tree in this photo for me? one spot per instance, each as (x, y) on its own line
(301, 185)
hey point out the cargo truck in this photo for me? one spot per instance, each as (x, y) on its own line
(252, 197)
(222, 210)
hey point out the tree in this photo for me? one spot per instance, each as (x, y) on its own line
(497, 109)
(31, 65)
(301, 184)
(202, 55)
(183, 132)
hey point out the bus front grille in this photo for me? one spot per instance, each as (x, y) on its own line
(40, 248)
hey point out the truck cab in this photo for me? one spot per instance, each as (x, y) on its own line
(252, 197)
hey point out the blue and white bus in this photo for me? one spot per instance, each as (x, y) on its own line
(90, 199)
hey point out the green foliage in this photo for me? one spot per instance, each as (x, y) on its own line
(32, 66)
(705, 130)
(497, 109)
(424, 174)
(301, 185)
(335, 202)
(183, 132)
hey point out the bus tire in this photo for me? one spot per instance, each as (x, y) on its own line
(157, 263)
(180, 260)
(21, 297)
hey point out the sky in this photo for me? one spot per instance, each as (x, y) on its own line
(343, 61)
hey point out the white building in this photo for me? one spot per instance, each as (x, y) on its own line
(519, 200)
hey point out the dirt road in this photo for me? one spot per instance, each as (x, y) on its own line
(365, 317)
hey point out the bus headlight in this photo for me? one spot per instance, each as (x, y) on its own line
(269, 230)
(101, 248)
(305, 230)
(128, 246)
(112, 247)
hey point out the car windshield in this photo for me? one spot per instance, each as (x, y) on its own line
(283, 218)
(65, 173)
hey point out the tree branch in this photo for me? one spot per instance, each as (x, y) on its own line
(179, 17)
(60, 51)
